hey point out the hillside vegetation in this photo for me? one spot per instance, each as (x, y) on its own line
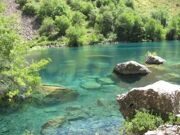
(145, 7)
(81, 22)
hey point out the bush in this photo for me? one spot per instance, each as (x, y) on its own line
(105, 22)
(21, 2)
(161, 15)
(129, 3)
(48, 28)
(142, 122)
(62, 23)
(52, 8)
(129, 27)
(76, 36)
(173, 31)
(154, 30)
(31, 8)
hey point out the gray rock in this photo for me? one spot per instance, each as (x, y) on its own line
(165, 130)
(131, 68)
(151, 59)
(160, 97)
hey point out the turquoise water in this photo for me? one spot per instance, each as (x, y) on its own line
(95, 110)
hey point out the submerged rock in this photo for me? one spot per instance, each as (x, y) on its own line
(106, 81)
(161, 97)
(153, 59)
(51, 126)
(165, 130)
(90, 84)
(131, 68)
(49, 95)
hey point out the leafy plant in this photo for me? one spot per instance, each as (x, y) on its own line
(142, 122)
(151, 53)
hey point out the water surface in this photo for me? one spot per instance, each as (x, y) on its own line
(96, 109)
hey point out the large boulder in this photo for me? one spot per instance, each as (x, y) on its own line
(131, 68)
(153, 59)
(161, 97)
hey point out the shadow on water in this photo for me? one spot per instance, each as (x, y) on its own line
(127, 78)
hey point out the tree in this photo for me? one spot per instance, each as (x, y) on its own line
(48, 28)
(161, 15)
(62, 23)
(129, 27)
(173, 31)
(105, 22)
(18, 77)
(154, 30)
(76, 35)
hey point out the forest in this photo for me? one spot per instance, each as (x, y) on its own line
(86, 22)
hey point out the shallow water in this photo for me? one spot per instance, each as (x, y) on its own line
(96, 109)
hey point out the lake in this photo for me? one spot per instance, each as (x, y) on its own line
(88, 72)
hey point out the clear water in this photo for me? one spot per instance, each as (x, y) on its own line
(74, 67)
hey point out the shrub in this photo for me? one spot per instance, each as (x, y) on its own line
(129, 3)
(62, 23)
(129, 27)
(52, 8)
(161, 15)
(154, 30)
(31, 8)
(76, 36)
(48, 27)
(173, 31)
(21, 2)
(142, 122)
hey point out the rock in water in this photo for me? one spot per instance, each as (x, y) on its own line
(49, 95)
(50, 126)
(106, 81)
(161, 97)
(131, 68)
(90, 85)
(151, 59)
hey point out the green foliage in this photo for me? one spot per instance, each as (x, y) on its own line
(48, 28)
(76, 36)
(17, 76)
(103, 21)
(154, 30)
(129, 3)
(52, 8)
(129, 27)
(151, 53)
(161, 15)
(62, 23)
(142, 122)
(2, 7)
(173, 119)
(174, 29)
(21, 2)
(31, 8)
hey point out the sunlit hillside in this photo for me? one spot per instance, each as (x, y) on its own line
(145, 7)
